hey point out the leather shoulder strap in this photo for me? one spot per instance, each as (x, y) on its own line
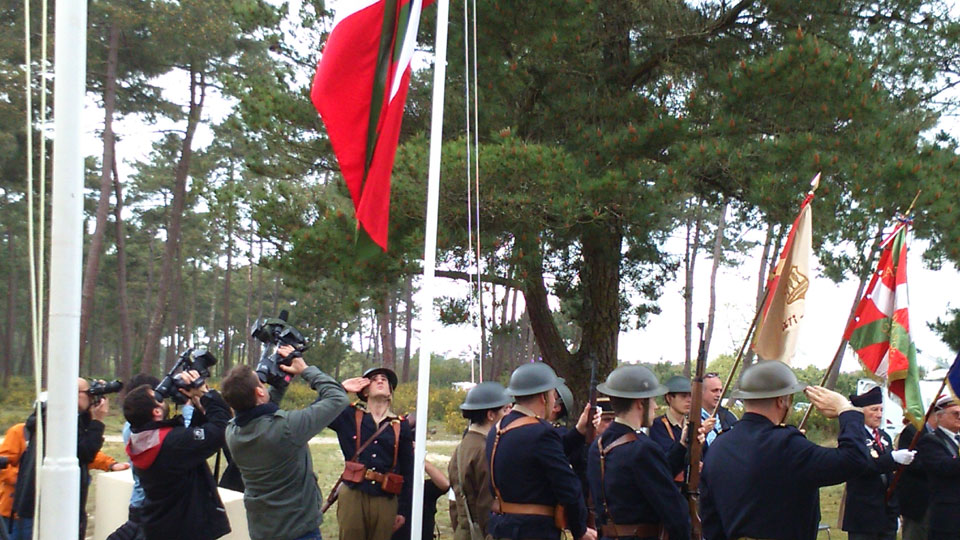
(626, 438)
(358, 414)
(362, 447)
(666, 424)
(395, 423)
(519, 422)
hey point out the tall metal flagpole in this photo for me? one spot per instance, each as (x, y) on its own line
(60, 473)
(427, 292)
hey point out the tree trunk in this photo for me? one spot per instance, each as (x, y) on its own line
(197, 93)
(248, 341)
(689, 265)
(408, 326)
(717, 257)
(8, 352)
(227, 360)
(87, 296)
(388, 344)
(761, 282)
(254, 351)
(125, 363)
(212, 322)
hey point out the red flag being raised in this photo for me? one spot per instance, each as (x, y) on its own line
(359, 90)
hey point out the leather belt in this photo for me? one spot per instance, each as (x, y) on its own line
(371, 474)
(613, 530)
(504, 507)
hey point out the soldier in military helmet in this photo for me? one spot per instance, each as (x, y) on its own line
(469, 474)
(536, 492)
(669, 430)
(630, 479)
(868, 515)
(762, 478)
(377, 447)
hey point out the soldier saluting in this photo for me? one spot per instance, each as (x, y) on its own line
(631, 482)
(536, 492)
(762, 479)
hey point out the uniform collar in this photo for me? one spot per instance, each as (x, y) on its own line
(525, 411)
(669, 415)
(390, 415)
(477, 430)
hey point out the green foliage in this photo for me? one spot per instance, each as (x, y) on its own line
(948, 328)
(443, 405)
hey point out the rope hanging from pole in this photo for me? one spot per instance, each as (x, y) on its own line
(476, 179)
(466, 104)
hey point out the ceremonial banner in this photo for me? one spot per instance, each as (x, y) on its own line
(779, 327)
(359, 90)
(880, 329)
(953, 379)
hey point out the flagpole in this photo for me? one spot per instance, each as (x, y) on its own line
(428, 292)
(60, 473)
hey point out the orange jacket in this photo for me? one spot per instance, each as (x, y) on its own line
(12, 447)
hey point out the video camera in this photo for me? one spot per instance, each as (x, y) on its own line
(98, 389)
(273, 333)
(198, 360)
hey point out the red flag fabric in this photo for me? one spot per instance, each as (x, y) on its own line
(360, 89)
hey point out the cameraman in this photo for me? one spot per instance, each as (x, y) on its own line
(171, 461)
(270, 447)
(90, 427)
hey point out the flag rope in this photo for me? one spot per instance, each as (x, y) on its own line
(466, 104)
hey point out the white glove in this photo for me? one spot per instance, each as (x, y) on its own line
(904, 457)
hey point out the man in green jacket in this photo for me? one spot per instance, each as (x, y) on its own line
(270, 447)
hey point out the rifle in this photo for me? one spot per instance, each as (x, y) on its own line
(592, 399)
(591, 433)
(693, 432)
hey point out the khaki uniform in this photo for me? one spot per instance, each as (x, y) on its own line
(476, 480)
(361, 516)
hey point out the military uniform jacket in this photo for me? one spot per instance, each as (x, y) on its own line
(377, 456)
(638, 485)
(865, 509)
(531, 468)
(762, 480)
(669, 440)
(476, 482)
(912, 490)
(938, 455)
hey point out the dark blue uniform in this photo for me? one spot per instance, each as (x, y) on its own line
(762, 480)
(865, 509)
(575, 448)
(531, 468)
(938, 454)
(912, 490)
(377, 456)
(638, 486)
(669, 441)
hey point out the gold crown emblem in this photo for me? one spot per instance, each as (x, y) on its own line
(797, 285)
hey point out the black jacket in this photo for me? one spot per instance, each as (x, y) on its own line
(865, 510)
(171, 460)
(531, 468)
(89, 442)
(638, 485)
(762, 480)
(668, 436)
(912, 490)
(938, 455)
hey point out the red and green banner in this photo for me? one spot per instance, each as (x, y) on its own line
(880, 329)
(360, 89)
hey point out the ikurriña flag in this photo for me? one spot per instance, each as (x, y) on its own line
(360, 89)
(779, 328)
(880, 329)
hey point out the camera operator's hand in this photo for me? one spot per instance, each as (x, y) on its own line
(285, 350)
(187, 377)
(99, 411)
(297, 365)
(355, 384)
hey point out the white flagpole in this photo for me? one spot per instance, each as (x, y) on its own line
(59, 510)
(427, 293)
